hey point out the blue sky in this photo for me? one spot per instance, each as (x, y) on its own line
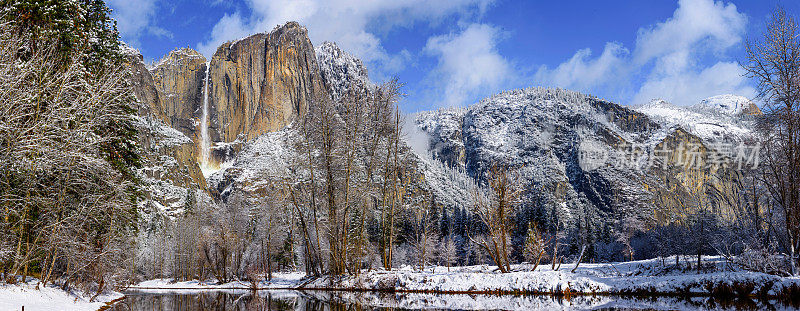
(455, 52)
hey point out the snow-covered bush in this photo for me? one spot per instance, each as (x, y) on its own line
(764, 260)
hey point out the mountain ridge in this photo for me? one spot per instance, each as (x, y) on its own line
(543, 131)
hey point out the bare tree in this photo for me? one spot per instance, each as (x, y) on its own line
(626, 229)
(392, 186)
(774, 63)
(66, 206)
(424, 237)
(449, 254)
(271, 232)
(352, 154)
(495, 206)
(535, 246)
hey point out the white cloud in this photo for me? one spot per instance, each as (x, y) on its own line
(696, 24)
(690, 87)
(350, 23)
(469, 63)
(665, 58)
(581, 72)
(135, 18)
(230, 26)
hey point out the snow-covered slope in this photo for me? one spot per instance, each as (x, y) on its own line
(551, 134)
(260, 163)
(339, 69)
(729, 104)
(718, 118)
(546, 133)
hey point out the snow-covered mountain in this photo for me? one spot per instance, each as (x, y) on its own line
(730, 104)
(251, 87)
(542, 131)
(339, 69)
(550, 133)
(714, 119)
(578, 156)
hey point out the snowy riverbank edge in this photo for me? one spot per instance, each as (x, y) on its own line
(49, 298)
(641, 278)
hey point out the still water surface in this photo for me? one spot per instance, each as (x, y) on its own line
(323, 301)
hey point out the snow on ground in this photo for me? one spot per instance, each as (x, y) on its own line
(627, 277)
(644, 276)
(712, 120)
(281, 280)
(15, 297)
(728, 103)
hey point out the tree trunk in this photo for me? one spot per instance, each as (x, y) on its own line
(699, 260)
(793, 254)
(580, 257)
(269, 264)
(555, 255)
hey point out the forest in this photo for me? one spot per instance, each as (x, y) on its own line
(351, 198)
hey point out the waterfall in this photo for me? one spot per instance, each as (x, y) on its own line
(205, 142)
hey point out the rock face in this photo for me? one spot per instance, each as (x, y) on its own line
(262, 83)
(143, 86)
(681, 184)
(551, 135)
(265, 158)
(170, 171)
(256, 85)
(259, 85)
(179, 77)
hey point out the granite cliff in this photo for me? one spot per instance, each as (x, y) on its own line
(169, 157)
(261, 84)
(256, 85)
(179, 78)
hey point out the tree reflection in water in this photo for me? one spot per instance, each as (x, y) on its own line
(241, 300)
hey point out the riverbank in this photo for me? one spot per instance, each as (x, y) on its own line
(318, 300)
(280, 280)
(636, 278)
(49, 298)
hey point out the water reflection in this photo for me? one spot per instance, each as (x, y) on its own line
(335, 301)
(219, 300)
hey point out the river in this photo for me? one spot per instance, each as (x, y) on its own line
(192, 300)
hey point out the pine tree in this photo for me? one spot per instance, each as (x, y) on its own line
(67, 125)
(82, 30)
(445, 225)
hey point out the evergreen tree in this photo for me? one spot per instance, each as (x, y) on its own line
(80, 30)
(68, 129)
(444, 224)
